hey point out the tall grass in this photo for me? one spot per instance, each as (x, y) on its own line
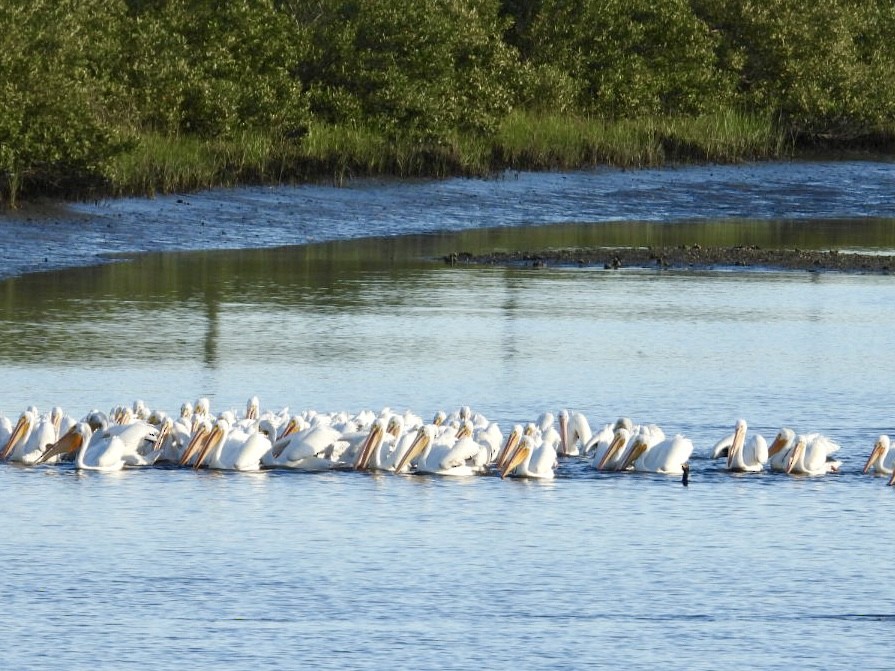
(164, 164)
(161, 164)
(548, 141)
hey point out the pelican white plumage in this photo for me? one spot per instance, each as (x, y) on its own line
(444, 452)
(608, 456)
(31, 437)
(376, 453)
(230, 447)
(811, 456)
(881, 459)
(509, 446)
(305, 450)
(531, 460)
(111, 449)
(5, 429)
(492, 438)
(650, 452)
(745, 457)
(575, 432)
(780, 449)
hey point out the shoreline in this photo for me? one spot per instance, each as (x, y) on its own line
(693, 257)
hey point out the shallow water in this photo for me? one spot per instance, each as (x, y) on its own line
(803, 200)
(161, 567)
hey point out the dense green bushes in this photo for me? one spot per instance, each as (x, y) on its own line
(138, 96)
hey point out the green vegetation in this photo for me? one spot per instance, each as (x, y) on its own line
(142, 96)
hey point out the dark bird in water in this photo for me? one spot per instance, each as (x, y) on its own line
(685, 478)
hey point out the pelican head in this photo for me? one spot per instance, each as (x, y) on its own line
(370, 445)
(639, 444)
(439, 418)
(619, 440)
(564, 431)
(201, 431)
(70, 443)
(22, 430)
(217, 435)
(424, 437)
(140, 410)
(509, 447)
(520, 454)
(395, 425)
(878, 453)
(203, 407)
(736, 446)
(797, 452)
(783, 440)
(294, 425)
(253, 408)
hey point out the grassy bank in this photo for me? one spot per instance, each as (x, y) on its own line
(164, 164)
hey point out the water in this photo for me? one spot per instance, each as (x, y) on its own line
(342, 570)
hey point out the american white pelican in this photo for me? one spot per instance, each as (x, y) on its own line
(306, 450)
(446, 453)
(31, 437)
(531, 461)
(509, 446)
(201, 429)
(650, 452)
(881, 459)
(112, 449)
(231, 448)
(575, 432)
(545, 421)
(492, 438)
(811, 456)
(607, 456)
(376, 453)
(780, 449)
(745, 457)
(5, 429)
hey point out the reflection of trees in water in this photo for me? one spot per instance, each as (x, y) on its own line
(212, 327)
(149, 307)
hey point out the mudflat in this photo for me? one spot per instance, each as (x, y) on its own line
(685, 256)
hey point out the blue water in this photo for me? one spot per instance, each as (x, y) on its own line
(82, 234)
(166, 568)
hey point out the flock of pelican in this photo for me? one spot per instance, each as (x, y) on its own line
(461, 443)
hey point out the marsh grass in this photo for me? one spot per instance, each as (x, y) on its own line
(544, 142)
(326, 152)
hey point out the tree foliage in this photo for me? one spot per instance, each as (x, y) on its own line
(424, 67)
(82, 81)
(631, 57)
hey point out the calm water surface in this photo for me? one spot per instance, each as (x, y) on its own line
(156, 568)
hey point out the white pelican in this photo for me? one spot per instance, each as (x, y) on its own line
(509, 446)
(31, 437)
(780, 449)
(575, 432)
(743, 457)
(5, 429)
(447, 453)
(231, 448)
(112, 449)
(201, 428)
(491, 437)
(607, 456)
(376, 452)
(305, 450)
(386, 444)
(531, 461)
(650, 452)
(881, 459)
(810, 456)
